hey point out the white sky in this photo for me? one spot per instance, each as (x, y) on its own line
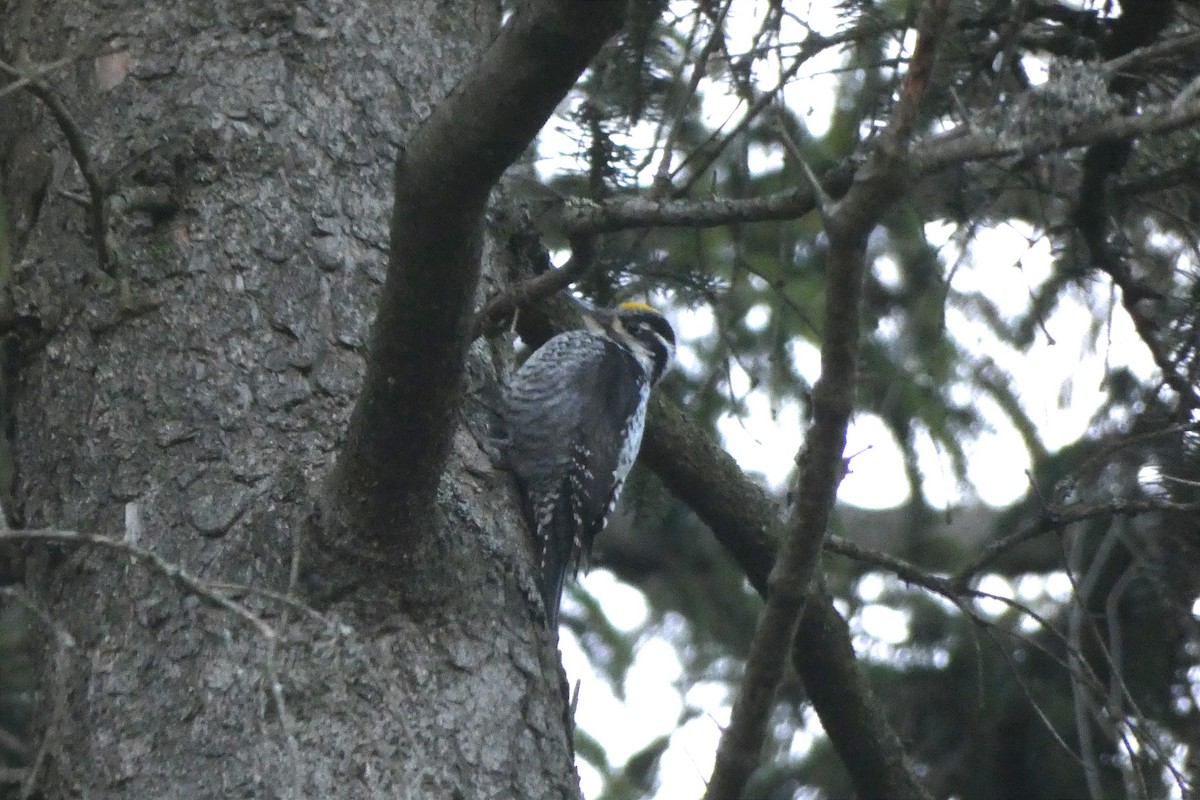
(1003, 264)
(1007, 263)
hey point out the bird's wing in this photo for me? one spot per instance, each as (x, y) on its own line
(572, 397)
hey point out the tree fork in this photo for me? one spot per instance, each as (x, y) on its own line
(386, 481)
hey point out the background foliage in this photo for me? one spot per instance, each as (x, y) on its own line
(1082, 679)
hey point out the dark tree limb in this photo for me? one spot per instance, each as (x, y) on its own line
(1055, 518)
(400, 431)
(848, 224)
(847, 705)
(699, 472)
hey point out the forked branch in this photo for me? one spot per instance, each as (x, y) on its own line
(400, 431)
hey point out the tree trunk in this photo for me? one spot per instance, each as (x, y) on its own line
(190, 403)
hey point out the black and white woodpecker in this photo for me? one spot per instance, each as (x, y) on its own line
(575, 412)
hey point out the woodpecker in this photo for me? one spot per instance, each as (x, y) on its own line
(575, 412)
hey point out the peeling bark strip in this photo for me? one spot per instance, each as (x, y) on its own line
(399, 437)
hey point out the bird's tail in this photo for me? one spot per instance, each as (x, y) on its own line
(557, 526)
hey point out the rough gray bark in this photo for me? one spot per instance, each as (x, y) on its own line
(250, 150)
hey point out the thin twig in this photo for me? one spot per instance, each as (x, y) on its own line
(152, 560)
(662, 178)
(1055, 518)
(29, 76)
(528, 291)
(790, 145)
(812, 45)
(63, 644)
(1084, 712)
(288, 600)
(271, 668)
(77, 144)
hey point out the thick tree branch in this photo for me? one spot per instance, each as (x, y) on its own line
(707, 479)
(848, 224)
(400, 431)
(847, 705)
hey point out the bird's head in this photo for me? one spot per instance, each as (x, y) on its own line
(641, 328)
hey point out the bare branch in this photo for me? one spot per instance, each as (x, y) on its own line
(961, 145)
(549, 283)
(152, 560)
(1055, 519)
(848, 223)
(587, 216)
(928, 157)
(77, 143)
(1166, 48)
